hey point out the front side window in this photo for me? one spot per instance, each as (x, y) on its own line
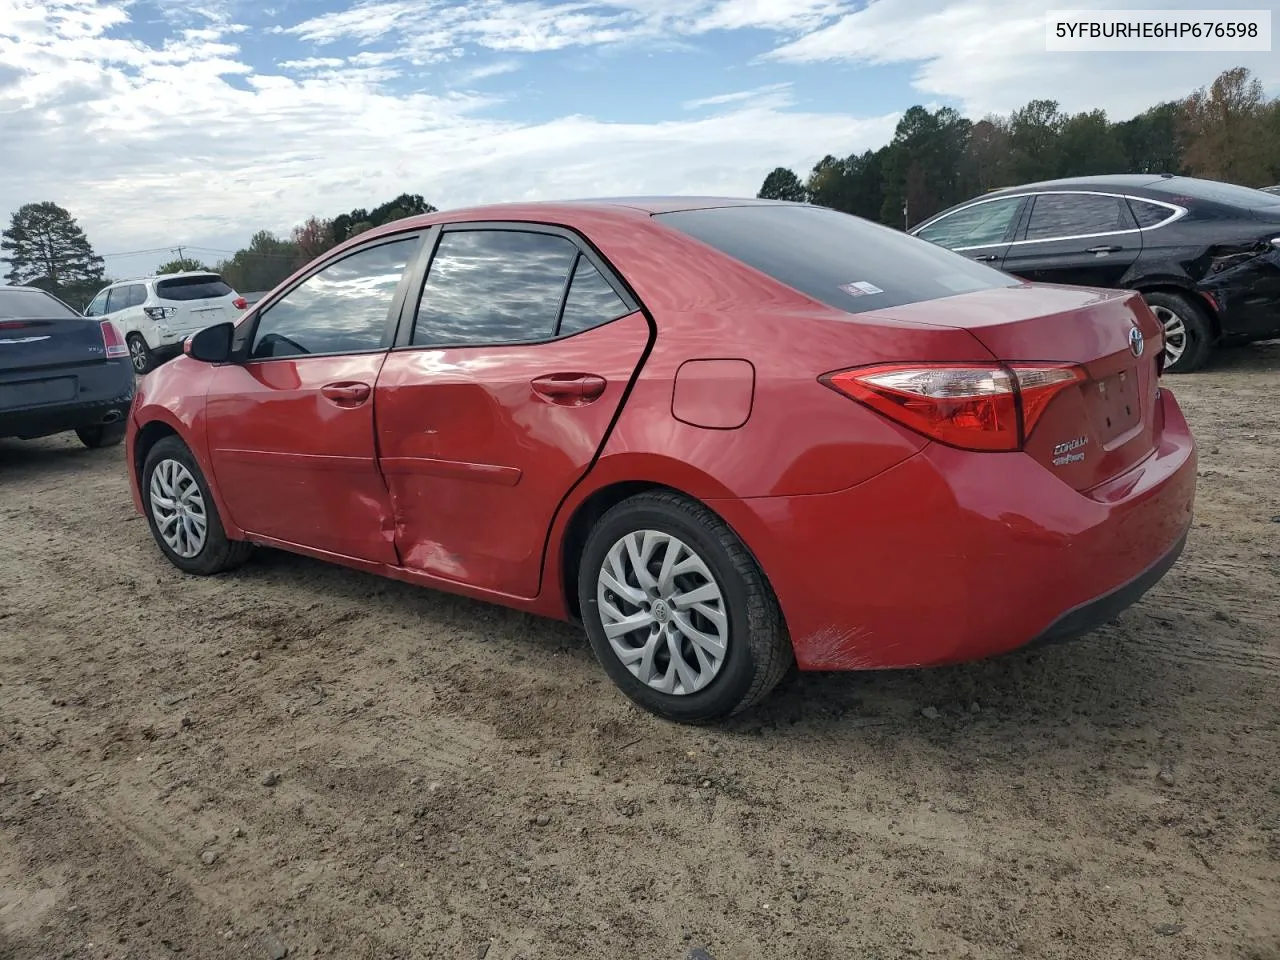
(493, 286)
(97, 306)
(341, 309)
(1076, 215)
(977, 226)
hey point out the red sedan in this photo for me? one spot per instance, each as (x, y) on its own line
(725, 435)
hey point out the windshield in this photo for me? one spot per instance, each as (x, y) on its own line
(32, 305)
(838, 259)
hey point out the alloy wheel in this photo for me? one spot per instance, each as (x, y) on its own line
(663, 612)
(1175, 334)
(178, 508)
(138, 354)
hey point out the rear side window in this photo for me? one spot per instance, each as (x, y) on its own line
(343, 308)
(193, 288)
(137, 295)
(835, 258)
(493, 286)
(1077, 214)
(591, 302)
(32, 305)
(1149, 214)
(980, 225)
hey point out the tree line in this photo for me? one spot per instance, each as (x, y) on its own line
(1227, 131)
(47, 248)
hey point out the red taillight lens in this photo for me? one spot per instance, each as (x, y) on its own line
(239, 303)
(969, 406)
(112, 341)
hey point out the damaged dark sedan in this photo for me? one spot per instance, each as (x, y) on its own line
(1205, 255)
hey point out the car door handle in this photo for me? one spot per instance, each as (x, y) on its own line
(1104, 249)
(346, 393)
(986, 258)
(570, 389)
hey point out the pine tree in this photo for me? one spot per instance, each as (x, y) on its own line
(46, 248)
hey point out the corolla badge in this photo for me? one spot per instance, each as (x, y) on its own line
(1069, 451)
(1136, 342)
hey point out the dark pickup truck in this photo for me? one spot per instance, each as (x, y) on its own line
(60, 371)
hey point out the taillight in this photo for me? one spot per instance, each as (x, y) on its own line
(973, 407)
(112, 341)
(239, 303)
(159, 313)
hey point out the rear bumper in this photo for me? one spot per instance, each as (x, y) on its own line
(953, 556)
(105, 395)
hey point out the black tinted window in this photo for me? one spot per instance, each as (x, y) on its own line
(841, 260)
(31, 305)
(982, 224)
(192, 288)
(117, 299)
(1076, 214)
(591, 301)
(341, 309)
(1149, 214)
(1181, 189)
(137, 295)
(493, 286)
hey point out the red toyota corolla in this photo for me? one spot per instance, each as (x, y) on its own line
(726, 435)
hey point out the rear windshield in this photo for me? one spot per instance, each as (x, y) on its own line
(32, 305)
(838, 259)
(192, 288)
(1215, 192)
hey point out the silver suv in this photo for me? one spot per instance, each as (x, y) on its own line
(157, 313)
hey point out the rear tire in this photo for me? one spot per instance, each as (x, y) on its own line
(742, 649)
(1188, 330)
(101, 434)
(182, 514)
(140, 354)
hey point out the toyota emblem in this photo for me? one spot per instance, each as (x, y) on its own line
(1135, 341)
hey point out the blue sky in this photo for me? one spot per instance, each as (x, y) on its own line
(197, 122)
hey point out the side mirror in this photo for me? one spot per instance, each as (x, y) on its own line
(212, 344)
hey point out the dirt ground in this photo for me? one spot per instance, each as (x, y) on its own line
(299, 758)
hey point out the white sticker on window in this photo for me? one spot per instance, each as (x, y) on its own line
(860, 287)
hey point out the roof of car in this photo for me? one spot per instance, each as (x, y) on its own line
(165, 276)
(1126, 181)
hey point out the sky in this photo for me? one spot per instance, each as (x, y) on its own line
(161, 123)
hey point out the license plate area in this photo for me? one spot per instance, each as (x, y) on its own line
(1118, 405)
(36, 393)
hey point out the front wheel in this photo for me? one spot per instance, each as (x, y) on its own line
(678, 612)
(1188, 337)
(181, 512)
(101, 434)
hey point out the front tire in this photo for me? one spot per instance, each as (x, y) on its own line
(140, 354)
(1188, 331)
(182, 515)
(678, 612)
(101, 434)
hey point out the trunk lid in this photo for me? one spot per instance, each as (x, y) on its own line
(49, 342)
(1102, 425)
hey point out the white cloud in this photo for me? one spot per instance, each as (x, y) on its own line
(775, 93)
(990, 55)
(155, 145)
